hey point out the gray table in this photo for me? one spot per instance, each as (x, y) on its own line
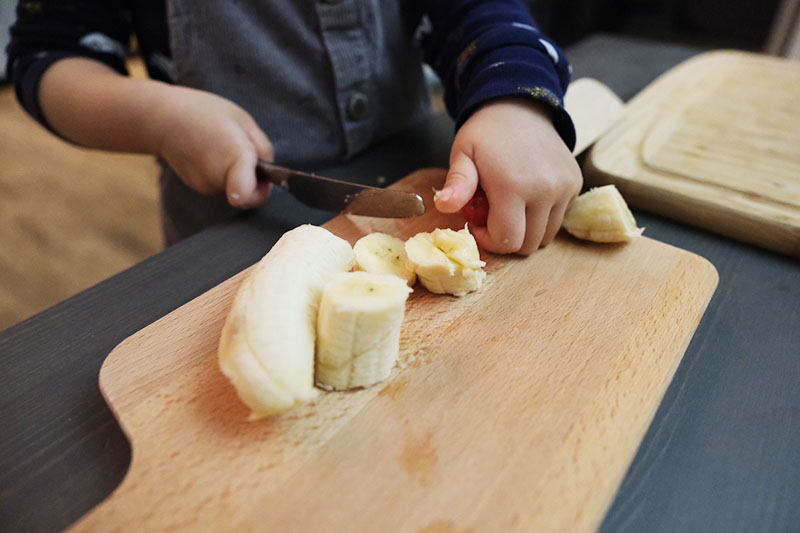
(722, 454)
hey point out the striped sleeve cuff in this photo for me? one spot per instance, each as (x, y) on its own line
(511, 60)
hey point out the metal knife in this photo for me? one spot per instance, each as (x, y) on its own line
(341, 196)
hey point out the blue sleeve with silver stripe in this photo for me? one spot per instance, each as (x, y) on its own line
(486, 50)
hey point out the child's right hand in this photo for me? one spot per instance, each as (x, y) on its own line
(213, 145)
(210, 142)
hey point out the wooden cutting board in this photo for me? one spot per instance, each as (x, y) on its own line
(515, 408)
(715, 142)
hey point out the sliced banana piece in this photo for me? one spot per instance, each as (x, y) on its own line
(358, 329)
(384, 254)
(601, 215)
(446, 261)
(268, 340)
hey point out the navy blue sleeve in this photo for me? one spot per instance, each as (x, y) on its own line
(49, 30)
(485, 50)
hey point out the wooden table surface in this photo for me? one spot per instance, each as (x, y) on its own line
(722, 454)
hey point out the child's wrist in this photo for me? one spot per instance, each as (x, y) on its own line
(536, 106)
(159, 120)
(514, 107)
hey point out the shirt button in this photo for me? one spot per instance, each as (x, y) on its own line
(357, 106)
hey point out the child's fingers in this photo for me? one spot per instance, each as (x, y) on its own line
(264, 147)
(554, 223)
(459, 186)
(536, 227)
(262, 193)
(264, 151)
(241, 185)
(505, 228)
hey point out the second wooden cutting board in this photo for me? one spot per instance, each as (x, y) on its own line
(515, 408)
(715, 143)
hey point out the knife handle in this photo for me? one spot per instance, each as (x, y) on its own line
(272, 173)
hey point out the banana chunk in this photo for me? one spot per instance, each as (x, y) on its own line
(358, 329)
(446, 261)
(601, 215)
(268, 340)
(384, 254)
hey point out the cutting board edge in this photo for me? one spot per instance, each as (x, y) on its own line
(128, 342)
(705, 282)
(708, 287)
(690, 261)
(702, 60)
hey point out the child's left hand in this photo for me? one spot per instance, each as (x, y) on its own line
(530, 177)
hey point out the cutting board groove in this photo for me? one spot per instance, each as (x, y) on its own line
(714, 143)
(515, 408)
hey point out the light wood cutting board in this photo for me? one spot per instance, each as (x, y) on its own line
(515, 408)
(715, 142)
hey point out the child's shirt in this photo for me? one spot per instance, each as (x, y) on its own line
(325, 79)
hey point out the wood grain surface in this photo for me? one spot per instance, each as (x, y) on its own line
(713, 142)
(515, 408)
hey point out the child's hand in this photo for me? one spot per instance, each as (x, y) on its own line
(530, 177)
(210, 142)
(213, 145)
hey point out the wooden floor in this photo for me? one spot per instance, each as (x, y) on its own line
(69, 217)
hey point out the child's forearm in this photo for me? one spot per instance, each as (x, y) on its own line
(210, 142)
(94, 106)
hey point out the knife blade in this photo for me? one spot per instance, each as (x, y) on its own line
(341, 196)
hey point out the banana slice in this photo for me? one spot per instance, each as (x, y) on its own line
(384, 254)
(267, 343)
(601, 215)
(446, 261)
(358, 329)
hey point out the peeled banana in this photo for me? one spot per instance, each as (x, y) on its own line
(382, 253)
(601, 215)
(302, 318)
(268, 340)
(446, 261)
(358, 329)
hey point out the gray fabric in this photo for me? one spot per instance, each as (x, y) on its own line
(7, 18)
(324, 80)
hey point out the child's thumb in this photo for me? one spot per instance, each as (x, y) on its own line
(459, 186)
(241, 186)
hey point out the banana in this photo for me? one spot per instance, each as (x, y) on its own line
(267, 345)
(446, 261)
(601, 215)
(382, 253)
(358, 329)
